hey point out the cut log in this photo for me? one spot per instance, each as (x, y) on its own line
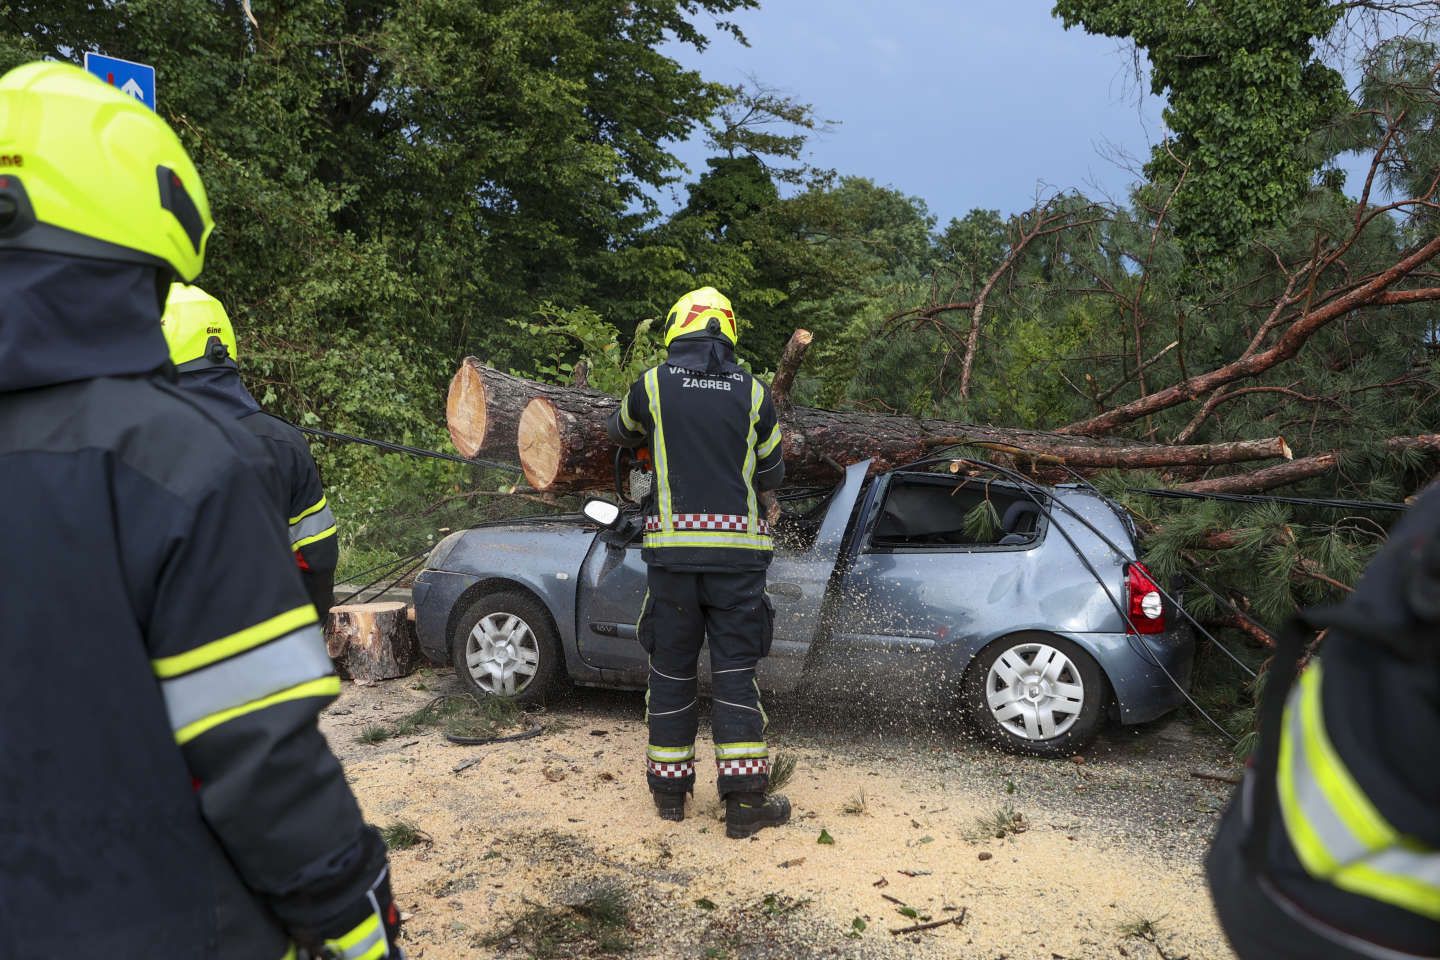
(562, 441)
(371, 641)
(483, 408)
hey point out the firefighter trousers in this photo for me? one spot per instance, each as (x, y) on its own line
(682, 611)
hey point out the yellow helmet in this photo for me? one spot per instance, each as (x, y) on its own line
(87, 171)
(706, 310)
(198, 329)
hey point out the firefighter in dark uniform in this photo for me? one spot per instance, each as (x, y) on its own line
(204, 351)
(715, 444)
(1330, 849)
(164, 789)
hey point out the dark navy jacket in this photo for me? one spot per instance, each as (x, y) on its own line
(715, 443)
(311, 524)
(164, 790)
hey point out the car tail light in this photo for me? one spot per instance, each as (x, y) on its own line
(1147, 607)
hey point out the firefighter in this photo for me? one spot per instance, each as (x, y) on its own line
(715, 443)
(1330, 849)
(164, 788)
(203, 349)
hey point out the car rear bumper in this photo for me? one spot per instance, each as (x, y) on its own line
(1149, 674)
(435, 594)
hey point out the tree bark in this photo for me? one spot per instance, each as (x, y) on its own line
(371, 641)
(790, 361)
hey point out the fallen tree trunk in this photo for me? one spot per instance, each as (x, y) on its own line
(371, 641)
(563, 445)
(484, 406)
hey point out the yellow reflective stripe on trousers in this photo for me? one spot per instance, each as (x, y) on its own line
(741, 751)
(278, 665)
(238, 642)
(657, 450)
(323, 687)
(312, 525)
(289, 954)
(670, 754)
(366, 941)
(1337, 832)
(710, 538)
(757, 394)
(770, 443)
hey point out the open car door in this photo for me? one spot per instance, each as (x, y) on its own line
(612, 589)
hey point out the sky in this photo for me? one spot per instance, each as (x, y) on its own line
(962, 103)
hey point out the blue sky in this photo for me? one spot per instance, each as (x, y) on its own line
(962, 103)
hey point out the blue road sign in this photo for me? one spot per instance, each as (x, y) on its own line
(136, 79)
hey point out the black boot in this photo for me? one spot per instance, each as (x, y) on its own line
(670, 805)
(748, 813)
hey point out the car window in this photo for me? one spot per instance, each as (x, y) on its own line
(801, 514)
(928, 511)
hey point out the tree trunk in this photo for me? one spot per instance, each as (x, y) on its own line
(371, 641)
(564, 446)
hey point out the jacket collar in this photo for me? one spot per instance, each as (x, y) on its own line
(703, 353)
(71, 318)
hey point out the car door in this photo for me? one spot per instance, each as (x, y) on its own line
(612, 588)
(909, 609)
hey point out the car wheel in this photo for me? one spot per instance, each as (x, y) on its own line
(1036, 694)
(504, 646)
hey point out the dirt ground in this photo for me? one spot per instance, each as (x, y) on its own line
(1100, 856)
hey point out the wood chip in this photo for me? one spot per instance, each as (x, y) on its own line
(787, 864)
(465, 764)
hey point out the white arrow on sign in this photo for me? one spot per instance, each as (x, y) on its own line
(133, 88)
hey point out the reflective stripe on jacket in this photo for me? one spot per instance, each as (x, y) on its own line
(1335, 829)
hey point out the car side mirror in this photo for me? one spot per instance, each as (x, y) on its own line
(602, 512)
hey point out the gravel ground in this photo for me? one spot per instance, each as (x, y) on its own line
(1102, 858)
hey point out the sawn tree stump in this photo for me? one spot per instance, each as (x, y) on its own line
(371, 641)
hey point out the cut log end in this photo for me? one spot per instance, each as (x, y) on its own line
(540, 443)
(1285, 450)
(465, 410)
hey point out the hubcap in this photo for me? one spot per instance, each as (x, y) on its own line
(1035, 691)
(502, 654)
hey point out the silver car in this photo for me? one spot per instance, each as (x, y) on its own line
(1038, 628)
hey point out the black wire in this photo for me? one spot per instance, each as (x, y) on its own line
(403, 448)
(390, 568)
(1257, 498)
(1132, 635)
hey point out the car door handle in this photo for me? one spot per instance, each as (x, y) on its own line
(788, 592)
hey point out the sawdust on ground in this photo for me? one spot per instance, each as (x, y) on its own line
(550, 820)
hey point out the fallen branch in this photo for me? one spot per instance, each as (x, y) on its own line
(790, 361)
(1218, 778)
(1267, 478)
(957, 920)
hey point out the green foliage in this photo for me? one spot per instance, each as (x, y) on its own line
(1245, 95)
(402, 835)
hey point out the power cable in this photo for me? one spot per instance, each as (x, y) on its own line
(405, 448)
